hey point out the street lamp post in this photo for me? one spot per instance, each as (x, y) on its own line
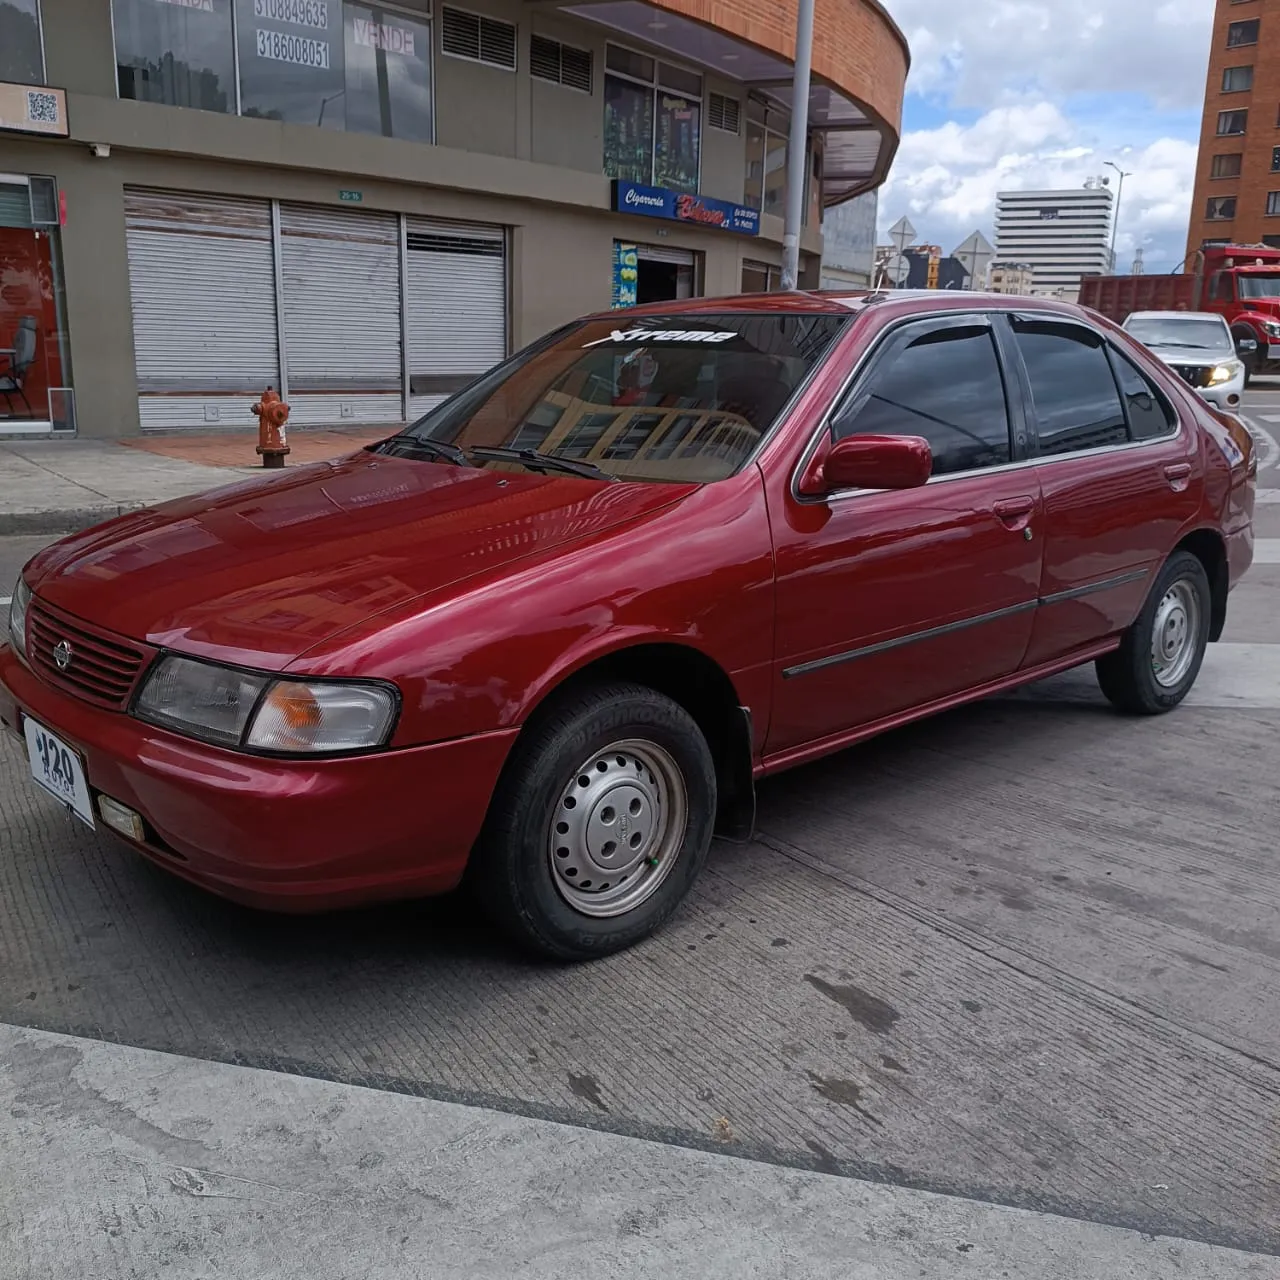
(797, 167)
(1115, 221)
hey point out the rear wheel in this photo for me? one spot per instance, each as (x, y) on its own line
(600, 824)
(1160, 656)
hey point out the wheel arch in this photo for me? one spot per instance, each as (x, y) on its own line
(704, 689)
(1208, 546)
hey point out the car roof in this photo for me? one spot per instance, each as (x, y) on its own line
(845, 301)
(1175, 315)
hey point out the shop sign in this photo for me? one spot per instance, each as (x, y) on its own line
(24, 109)
(678, 206)
(626, 274)
(383, 35)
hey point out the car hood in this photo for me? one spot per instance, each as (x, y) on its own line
(1192, 355)
(260, 572)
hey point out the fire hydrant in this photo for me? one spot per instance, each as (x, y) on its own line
(272, 413)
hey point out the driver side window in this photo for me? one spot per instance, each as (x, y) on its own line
(1220, 290)
(943, 384)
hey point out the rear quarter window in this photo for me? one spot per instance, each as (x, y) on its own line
(1150, 414)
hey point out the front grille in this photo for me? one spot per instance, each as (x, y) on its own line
(103, 668)
(1196, 374)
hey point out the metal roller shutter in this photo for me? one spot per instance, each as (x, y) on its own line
(456, 306)
(202, 287)
(341, 273)
(660, 253)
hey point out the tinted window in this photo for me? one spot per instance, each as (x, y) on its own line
(1149, 414)
(292, 55)
(682, 398)
(1076, 404)
(180, 55)
(945, 385)
(20, 42)
(388, 73)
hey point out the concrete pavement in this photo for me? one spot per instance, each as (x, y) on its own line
(118, 1162)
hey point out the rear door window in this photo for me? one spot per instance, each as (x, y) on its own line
(942, 383)
(1075, 403)
(1150, 414)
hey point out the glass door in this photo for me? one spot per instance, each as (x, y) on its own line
(35, 369)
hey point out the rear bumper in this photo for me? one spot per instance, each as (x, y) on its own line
(285, 835)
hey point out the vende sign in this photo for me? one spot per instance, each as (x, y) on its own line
(384, 36)
(679, 206)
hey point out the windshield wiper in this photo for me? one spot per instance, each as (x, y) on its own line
(544, 462)
(406, 446)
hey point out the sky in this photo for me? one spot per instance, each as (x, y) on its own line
(1039, 93)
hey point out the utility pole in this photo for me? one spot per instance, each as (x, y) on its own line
(1115, 222)
(797, 155)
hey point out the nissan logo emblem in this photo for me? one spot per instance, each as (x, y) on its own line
(62, 655)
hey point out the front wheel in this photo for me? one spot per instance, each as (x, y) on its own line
(1159, 658)
(600, 824)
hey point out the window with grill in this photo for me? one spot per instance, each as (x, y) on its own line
(478, 39)
(1232, 122)
(1273, 203)
(1237, 79)
(1220, 208)
(560, 63)
(1242, 33)
(1228, 166)
(724, 113)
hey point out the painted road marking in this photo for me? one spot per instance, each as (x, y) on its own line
(1266, 551)
(1269, 496)
(1268, 447)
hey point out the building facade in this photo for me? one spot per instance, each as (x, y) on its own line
(849, 243)
(1060, 235)
(1010, 277)
(1237, 187)
(364, 205)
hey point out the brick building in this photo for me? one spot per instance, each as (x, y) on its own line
(1237, 189)
(365, 205)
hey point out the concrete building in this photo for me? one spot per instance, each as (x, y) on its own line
(1010, 277)
(1237, 187)
(1060, 235)
(849, 243)
(365, 205)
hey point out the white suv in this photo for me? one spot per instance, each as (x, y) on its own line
(1196, 345)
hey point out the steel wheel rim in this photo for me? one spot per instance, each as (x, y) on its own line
(1175, 634)
(618, 827)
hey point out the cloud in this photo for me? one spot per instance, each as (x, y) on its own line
(1020, 94)
(974, 53)
(946, 179)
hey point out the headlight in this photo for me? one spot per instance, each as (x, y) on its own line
(1272, 328)
(260, 713)
(1226, 372)
(18, 607)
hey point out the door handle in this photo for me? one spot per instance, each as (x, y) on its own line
(1015, 513)
(1177, 474)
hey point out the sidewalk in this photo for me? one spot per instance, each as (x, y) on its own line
(59, 486)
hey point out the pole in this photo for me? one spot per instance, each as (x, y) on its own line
(797, 158)
(1115, 221)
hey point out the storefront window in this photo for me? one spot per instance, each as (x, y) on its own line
(33, 341)
(388, 73)
(292, 61)
(652, 121)
(21, 61)
(179, 54)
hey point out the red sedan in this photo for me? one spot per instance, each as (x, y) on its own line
(549, 637)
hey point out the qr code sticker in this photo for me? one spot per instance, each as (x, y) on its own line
(42, 108)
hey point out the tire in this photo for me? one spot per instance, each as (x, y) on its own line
(1138, 678)
(610, 760)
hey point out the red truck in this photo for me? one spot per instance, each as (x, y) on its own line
(1238, 281)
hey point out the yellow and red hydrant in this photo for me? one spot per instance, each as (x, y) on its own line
(272, 413)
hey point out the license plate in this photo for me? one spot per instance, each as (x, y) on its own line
(58, 769)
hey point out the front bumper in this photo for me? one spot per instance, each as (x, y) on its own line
(1226, 395)
(287, 835)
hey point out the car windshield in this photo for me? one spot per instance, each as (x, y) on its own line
(1172, 331)
(674, 399)
(1259, 286)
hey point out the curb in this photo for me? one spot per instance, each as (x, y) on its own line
(66, 520)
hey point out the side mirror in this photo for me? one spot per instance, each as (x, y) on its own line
(1246, 345)
(870, 462)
